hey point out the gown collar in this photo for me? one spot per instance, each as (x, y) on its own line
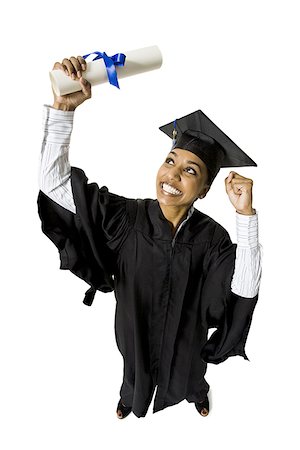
(187, 216)
(161, 226)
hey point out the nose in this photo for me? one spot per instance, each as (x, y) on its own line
(174, 174)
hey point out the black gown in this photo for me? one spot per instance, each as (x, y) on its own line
(169, 290)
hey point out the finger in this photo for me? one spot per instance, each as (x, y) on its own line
(77, 65)
(70, 69)
(238, 176)
(82, 62)
(245, 181)
(229, 178)
(242, 188)
(86, 87)
(237, 188)
(58, 65)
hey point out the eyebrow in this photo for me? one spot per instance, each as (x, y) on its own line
(189, 162)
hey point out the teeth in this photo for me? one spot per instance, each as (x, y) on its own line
(171, 190)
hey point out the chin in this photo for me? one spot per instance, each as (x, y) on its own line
(169, 200)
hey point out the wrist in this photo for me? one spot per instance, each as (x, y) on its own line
(249, 212)
(62, 107)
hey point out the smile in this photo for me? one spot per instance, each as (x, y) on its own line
(167, 188)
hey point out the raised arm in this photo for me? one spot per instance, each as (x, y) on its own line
(247, 274)
(231, 289)
(54, 167)
(87, 224)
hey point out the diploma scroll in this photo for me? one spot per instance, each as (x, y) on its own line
(137, 61)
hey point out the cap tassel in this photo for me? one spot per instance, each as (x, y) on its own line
(174, 135)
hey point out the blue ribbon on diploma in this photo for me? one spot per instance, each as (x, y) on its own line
(110, 63)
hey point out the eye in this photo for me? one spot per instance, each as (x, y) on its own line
(169, 161)
(191, 171)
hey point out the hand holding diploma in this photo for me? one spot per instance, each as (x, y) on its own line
(73, 68)
(106, 68)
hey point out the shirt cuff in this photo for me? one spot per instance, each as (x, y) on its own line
(247, 230)
(57, 125)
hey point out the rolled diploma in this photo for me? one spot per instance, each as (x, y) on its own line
(137, 61)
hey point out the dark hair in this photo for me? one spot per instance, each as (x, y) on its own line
(209, 177)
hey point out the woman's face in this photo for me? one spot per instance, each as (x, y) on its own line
(181, 179)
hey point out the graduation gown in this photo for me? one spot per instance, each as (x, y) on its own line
(169, 289)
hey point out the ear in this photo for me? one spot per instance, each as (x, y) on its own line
(204, 191)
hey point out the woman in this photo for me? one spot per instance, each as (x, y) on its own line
(174, 270)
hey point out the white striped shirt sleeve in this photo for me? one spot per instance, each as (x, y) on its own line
(248, 263)
(54, 168)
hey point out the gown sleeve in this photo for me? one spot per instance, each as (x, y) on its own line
(88, 241)
(230, 313)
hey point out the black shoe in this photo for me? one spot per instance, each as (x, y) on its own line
(125, 410)
(203, 407)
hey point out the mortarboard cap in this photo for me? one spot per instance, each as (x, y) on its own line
(196, 133)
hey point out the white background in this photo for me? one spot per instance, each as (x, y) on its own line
(60, 367)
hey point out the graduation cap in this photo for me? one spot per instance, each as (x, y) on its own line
(196, 133)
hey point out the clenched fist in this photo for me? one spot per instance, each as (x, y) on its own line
(239, 190)
(73, 67)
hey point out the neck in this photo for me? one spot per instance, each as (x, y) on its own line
(174, 215)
